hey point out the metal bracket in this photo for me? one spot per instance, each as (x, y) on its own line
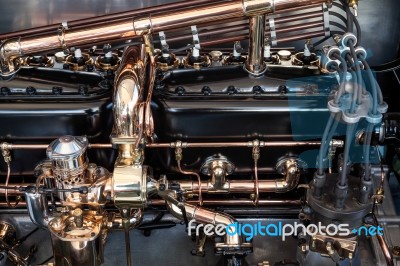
(196, 40)
(325, 11)
(163, 41)
(272, 30)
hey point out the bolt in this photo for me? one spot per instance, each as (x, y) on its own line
(5, 91)
(83, 89)
(282, 89)
(257, 89)
(56, 90)
(231, 90)
(206, 90)
(180, 90)
(205, 171)
(161, 187)
(30, 90)
(89, 67)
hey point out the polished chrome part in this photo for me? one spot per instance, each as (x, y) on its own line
(255, 61)
(77, 241)
(38, 209)
(68, 156)
(290, 167)
(232, 243)
(256, 7)
(10, 50)
(128, 97)
(129, 187)
(218, 167)
(335, 247)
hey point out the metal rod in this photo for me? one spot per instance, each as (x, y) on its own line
(127, 247)
(293, 18)
(231, 202)
(234, 144)
(302, 36)
(158, 22)
(86, 22)
(10, 146)
(305, 26)
(255, 60)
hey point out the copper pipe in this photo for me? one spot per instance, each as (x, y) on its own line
(285, 5)
(87, 22)
(234, 144)
(307, 35)
(11, 191)
(199, 185)
(385, 250)
(306, 26)
(158, 22)
(231, 202)
(10, 146)
(212, 202)
(243, 186)
(299, 17)
(298, 8)
(244, 27)
(169, 145)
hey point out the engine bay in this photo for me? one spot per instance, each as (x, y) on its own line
(237, 132)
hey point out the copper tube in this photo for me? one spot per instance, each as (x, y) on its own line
(125, 28)
(302, 36)
(298, 8)
(44, 146)
(11, 192)
(199, 185)
(243, 27)
(191, 16)
(256, 184)
(230, 202)
(234, 144)
(87, 22)
(285, 5)
(318, 24)
(168, 145)
(241, 186)
(385, 250)
(299, 17)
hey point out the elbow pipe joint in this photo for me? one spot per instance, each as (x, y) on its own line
(204, 216)
(10, 50)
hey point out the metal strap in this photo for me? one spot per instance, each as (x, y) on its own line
(196, 40)
(272, 30)
(325, 11)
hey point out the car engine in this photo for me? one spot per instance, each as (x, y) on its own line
(232, 132)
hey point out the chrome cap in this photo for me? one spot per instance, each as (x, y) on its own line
(67, 147)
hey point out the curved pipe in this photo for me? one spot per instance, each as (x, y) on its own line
(204, 216)
(281, 185)
(38, 209)
(128, 93)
